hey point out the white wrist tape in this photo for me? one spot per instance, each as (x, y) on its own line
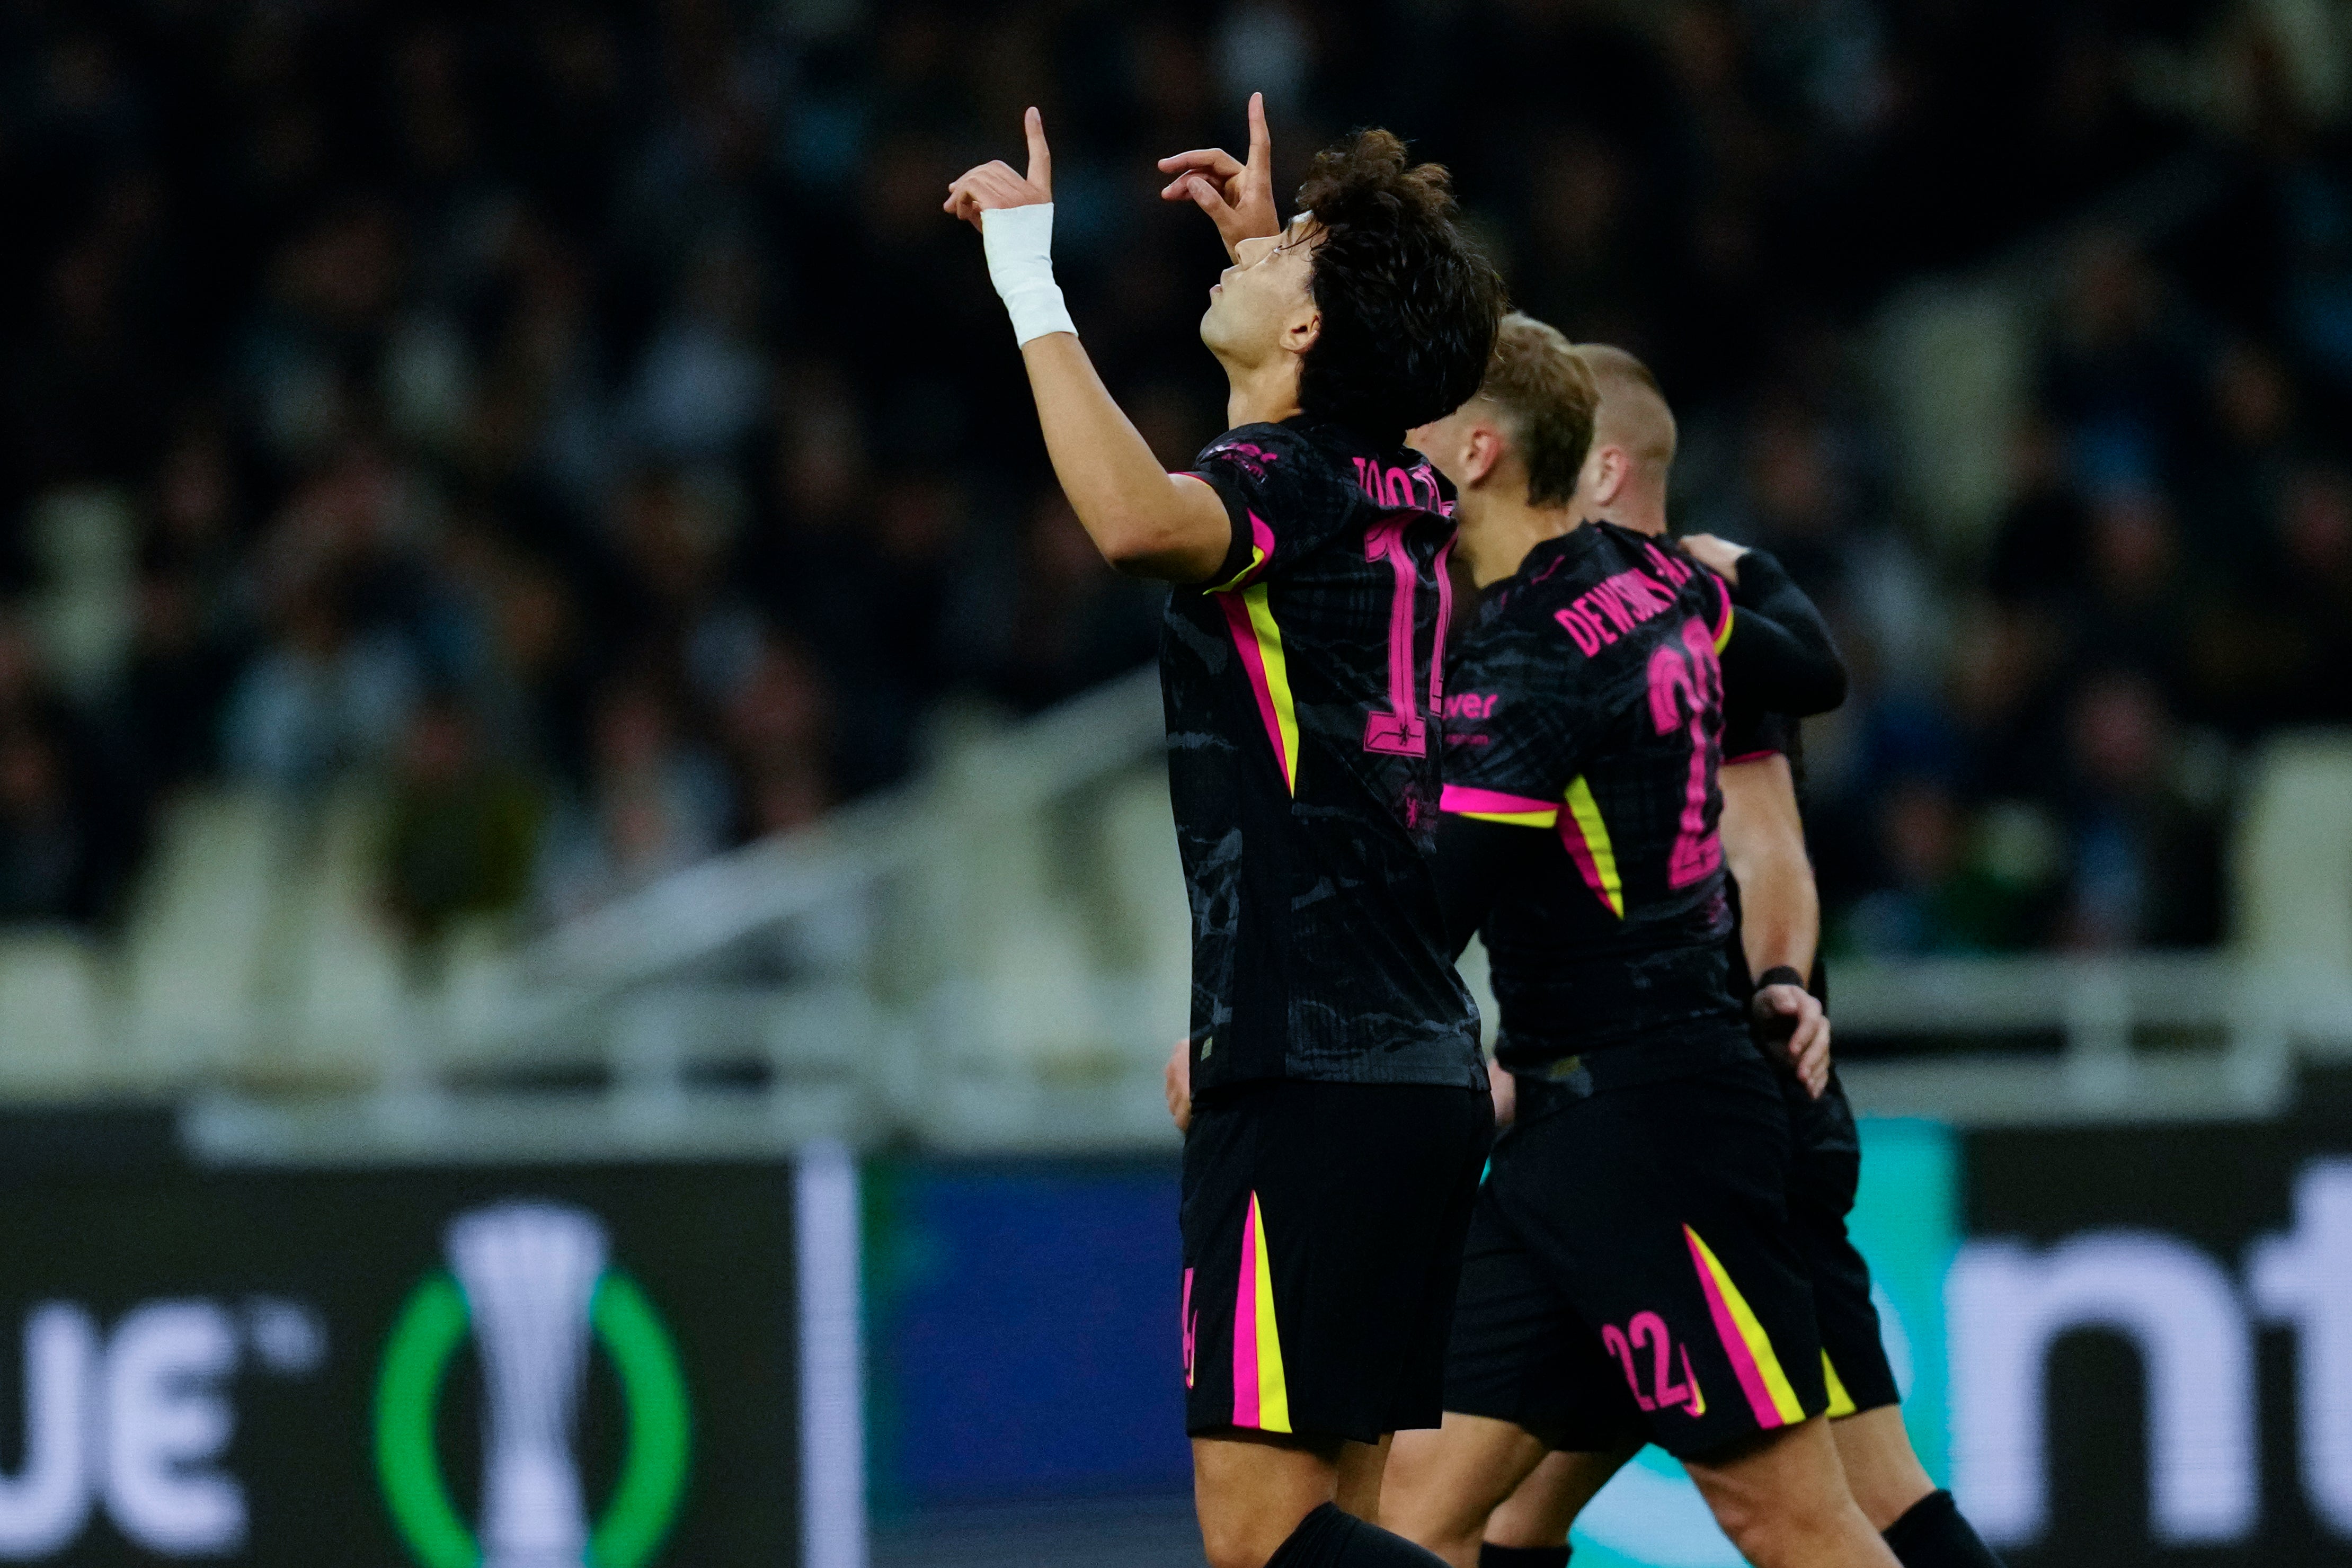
(1020, 245)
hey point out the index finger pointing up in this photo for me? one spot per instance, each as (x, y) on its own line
(1261, 148)
(1041, 160)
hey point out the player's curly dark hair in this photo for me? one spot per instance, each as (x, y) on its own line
(1409, 303)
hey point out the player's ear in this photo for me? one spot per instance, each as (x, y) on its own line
(1482, 453)
(1611, 468)
(1303, 331)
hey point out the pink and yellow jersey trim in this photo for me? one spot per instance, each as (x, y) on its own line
(1749, 1348)
(1259, 641)
(1722, 626)
(1261, 552)
(1842, 1403)
(1261, 1395)
(1587, 838)
(1493, 806)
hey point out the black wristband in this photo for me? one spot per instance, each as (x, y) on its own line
(1780, 975)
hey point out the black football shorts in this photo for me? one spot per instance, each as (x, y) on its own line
(1826, 1174)
(1323, 1226)
(1633, 1273)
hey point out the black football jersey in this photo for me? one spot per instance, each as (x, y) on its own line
(1588, 703)
(1303, 694)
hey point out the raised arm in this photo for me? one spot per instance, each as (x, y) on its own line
(1145, 520)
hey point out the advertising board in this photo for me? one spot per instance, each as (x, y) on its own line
(2120, 1347)
(412, 1369)
(2151, 1336)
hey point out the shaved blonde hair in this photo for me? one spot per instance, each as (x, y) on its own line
(1633, 414)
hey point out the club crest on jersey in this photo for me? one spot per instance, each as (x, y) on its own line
(1247, 454)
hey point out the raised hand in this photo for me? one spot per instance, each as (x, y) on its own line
(1237, 196)
(994, 184)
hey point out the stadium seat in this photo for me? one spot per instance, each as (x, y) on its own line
(1023, 962)
(1135, 846)
(55, 1022)
(344, 985)
(198, 929)
(477, 976)
(2292, 864)
(85, 538)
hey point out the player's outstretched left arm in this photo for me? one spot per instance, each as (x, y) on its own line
(1145, 520)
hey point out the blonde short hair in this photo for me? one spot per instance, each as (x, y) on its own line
(1633, 413)
(1548, 394)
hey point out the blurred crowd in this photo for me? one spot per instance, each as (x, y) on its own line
(577, 421)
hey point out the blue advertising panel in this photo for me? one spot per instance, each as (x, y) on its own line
(1022, 1330)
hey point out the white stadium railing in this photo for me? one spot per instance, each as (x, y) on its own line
(993, 956)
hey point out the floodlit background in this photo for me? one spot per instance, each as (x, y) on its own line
(536, 632)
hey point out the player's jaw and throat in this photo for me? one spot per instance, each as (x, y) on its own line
(1261, 322)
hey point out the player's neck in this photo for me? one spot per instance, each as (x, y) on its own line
(1495, 535)
(1262, 394)
(1641, 514)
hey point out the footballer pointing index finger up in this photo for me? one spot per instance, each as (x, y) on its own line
(1340, 1115)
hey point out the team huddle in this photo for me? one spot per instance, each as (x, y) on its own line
(1433, 671)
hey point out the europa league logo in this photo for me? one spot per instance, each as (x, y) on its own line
(532, 1284)
(529, 1270)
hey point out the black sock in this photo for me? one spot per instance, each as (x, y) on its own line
(1493, 1556)
(1932, 1535)
(1330, 1539)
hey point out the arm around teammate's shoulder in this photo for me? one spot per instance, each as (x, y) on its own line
(1779, 643)
(1766, 663)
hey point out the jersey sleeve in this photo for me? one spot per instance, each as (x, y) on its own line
(1750, 734)
(1778, 653)
(1512, 738)
(1282, 501)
